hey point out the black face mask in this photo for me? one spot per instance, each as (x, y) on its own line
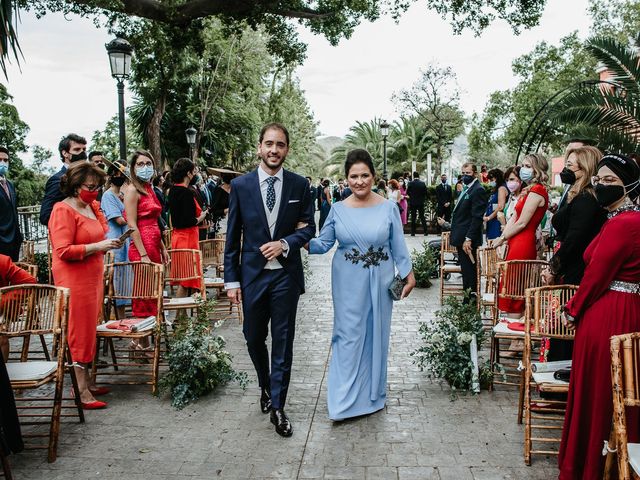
(76, 157)
(118, 181)
(568, 177)
(467, 179)
(608, 194)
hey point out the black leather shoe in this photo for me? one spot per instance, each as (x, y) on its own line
(265, 401)
(282, 423)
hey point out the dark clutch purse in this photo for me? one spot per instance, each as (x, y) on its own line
(395, 289)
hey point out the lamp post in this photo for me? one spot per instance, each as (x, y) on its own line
(120, 51)
(384, 129)
(191, 140)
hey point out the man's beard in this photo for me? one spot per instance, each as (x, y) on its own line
(273, 162)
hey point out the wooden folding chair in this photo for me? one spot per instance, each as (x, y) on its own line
(543, 320)
(513, 277)
(30, 268)
(185, 265)
(486, 259)
(134, 281)
(625, 371)
(39, 310)
(28, 251)
(166, 237)
(448, 266)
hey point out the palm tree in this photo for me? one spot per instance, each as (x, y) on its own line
(8, 38)
(410, 141)
(611, 109)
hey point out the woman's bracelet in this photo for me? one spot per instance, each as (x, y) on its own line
(145, 255)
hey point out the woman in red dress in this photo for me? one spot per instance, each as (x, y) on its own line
(142, 211)
(186, 215)
(78, 229)
(607, 303)
(520, 231)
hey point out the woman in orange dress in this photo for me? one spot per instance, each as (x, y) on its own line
(142, 211)
(520, 231)
(78, 229)
(186, 215)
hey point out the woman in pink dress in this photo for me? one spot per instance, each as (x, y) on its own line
(403, 201)
(142, 211)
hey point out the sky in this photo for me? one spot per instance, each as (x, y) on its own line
(64, 84)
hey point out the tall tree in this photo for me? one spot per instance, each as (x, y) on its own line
(434, 98)
(615, 18)
(107, 140)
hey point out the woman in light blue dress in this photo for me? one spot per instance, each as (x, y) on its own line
(371, 248)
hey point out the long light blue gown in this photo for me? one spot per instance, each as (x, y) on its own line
(371, 246)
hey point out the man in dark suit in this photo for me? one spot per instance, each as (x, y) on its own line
(72, 148)
(417, 193)
(10, 236)
(444, 197)
(313, 191)
(466, 225)
(271, 210)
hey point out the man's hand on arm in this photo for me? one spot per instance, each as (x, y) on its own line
(235, 295)
(272, 250)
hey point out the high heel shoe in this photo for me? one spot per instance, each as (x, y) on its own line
(97, 391)
(95, 405)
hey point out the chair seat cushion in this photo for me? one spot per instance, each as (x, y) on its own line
(633, 449)
(30, 371)
(451, 268)
(502, 328)
(488, 298)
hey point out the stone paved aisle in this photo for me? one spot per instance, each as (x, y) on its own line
(421, 434)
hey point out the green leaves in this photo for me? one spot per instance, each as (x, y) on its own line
(425, 265)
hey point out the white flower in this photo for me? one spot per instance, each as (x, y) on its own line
(464, 338)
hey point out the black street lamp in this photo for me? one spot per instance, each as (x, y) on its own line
(191, 140)
(120, 51)
(384, 129)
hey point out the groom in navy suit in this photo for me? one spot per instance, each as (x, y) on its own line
(270, 218)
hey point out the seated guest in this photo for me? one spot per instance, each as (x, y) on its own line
(606, 304)
(77, 229)
(10, 274)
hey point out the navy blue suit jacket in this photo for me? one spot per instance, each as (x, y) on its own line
(247, 221)
(9, 230)
(467, 217)
(52, 195)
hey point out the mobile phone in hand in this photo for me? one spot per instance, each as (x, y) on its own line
(125, 235)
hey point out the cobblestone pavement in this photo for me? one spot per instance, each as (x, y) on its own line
(421, 434)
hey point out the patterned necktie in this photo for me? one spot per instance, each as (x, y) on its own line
(5, 187)
(271, 193)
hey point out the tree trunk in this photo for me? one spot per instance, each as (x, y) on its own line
(153, 131)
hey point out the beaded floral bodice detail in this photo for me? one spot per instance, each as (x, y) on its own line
(371, 257)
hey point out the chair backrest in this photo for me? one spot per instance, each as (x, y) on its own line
(185, 265)
(166, 237)
(135, 281)
(29, 268)
(33, 310)
(543, 311)
(625, 369)
(487, 259)
(29, 251)
(515, 276)
(445, 246)
(209, 252)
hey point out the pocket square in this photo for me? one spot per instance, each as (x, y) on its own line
(294, 201)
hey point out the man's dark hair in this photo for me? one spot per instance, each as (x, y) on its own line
(94, 153)
(4, 150)
(181, 168)
(274, 126)
(416, 175)
(309, 178)
(358, 155)
(65, 143)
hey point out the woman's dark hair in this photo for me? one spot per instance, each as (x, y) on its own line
(118, 166)
(382, 185)
(132, 169)
(326, 183)
(77, 174)
(359, 155)
(515, 169)
(499, 177)
(180, 169)
(226, 177)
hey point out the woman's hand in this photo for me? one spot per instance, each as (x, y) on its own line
(496, 242)
(485, 219)
(306, 246)
(145, 258)
(202, 216)
(411, 283)
(548, 278)
(164, 255)
(570, 324)
(108, 244)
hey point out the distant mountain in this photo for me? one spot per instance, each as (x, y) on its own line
(329, 143)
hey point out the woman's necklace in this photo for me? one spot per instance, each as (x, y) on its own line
(627, 206)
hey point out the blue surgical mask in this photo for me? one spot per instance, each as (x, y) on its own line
(526, 174)
(4, 168)
(492, 184)
(144, 173)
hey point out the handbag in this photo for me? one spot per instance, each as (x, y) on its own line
(396, 287)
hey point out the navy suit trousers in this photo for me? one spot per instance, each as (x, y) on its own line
(272, 296)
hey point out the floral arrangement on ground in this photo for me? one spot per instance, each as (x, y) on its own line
(198, 362)
(446, 352)
(425, 265)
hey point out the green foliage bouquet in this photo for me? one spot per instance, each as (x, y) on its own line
(425, 265)
(446, 350)
(198, 362)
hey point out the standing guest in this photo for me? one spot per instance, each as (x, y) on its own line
(72, 148)
(394, 192)
(312, 189)
(10, 274)
(195, 185)
(466, 227)
(337, 192)
(270, 278)
(484, 176)
(142, 210)
(186, 215)
(319, 190)
(10, 236)
(520, 231)
(497, 203)
(417, 193)
(97, 158)
(325, 206)
(444, 197)
(404, 207)
(606, 304)
(113, 209)
(382, 189)
(220, 201)
(514, 185)
(459, 187)
(77, 229)
(158, 189)
(360, 281)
